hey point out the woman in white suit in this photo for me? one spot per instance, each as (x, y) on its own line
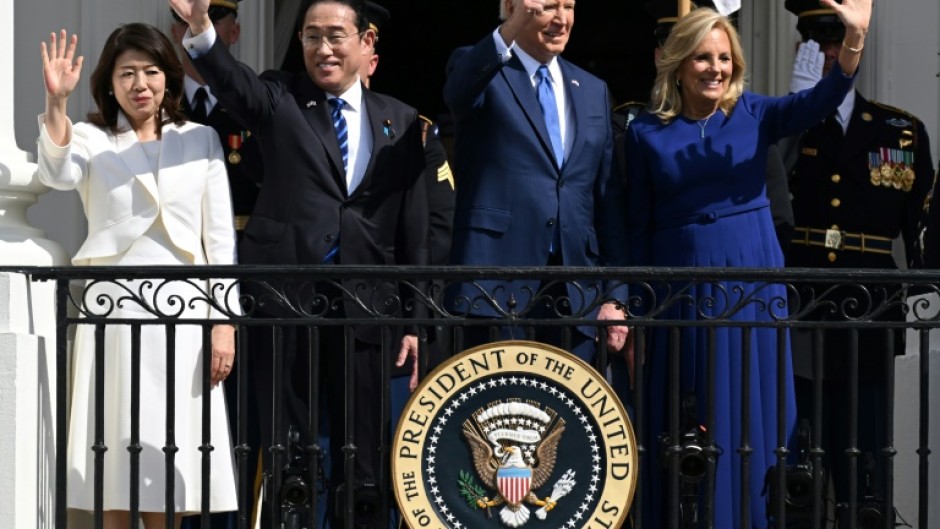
(155, 192)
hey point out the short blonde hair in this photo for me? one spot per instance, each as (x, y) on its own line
(686, 36)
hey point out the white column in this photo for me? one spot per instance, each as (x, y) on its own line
(27, 327)
(907, 416)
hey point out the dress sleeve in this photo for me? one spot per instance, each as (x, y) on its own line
(61, 167)
(796, 112)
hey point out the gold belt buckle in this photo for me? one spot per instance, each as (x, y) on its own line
(834, 239)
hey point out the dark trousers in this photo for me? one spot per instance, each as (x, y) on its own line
(835, 439)
(581, 345)
(875, 347)
(297, 390)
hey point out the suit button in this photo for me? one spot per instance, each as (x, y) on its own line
(832, 257)
(836, 179)
(836, 202)
(328, 238)
(561, 183)
(550, 223)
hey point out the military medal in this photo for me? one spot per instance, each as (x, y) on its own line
(908, 179)
(908, 176)
(887, 171)
(898, 179)
(235, 142)
(874, 166)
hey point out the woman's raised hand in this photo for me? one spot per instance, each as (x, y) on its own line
(855, 14)
(61, 69)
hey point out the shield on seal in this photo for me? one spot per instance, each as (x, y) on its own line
(514, 484)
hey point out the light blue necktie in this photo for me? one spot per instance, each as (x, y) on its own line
(550, 110)
(339, 125)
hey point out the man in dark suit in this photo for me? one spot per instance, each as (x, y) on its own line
(342, 185)
(859, 181)
(533, 164)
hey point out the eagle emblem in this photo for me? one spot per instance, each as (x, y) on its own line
(514, 446)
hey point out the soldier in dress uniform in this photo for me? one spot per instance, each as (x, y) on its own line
(859, 180)
(245, 172)
(242, 155)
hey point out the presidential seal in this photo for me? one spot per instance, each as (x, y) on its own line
(514, 433)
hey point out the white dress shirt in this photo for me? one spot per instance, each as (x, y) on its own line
(565, 110)
(190, 86)
(359, 132)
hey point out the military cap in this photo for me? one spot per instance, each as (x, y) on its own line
(816, 22)
(377, 16)
(666, 14)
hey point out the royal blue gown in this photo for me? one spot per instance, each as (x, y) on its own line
(697, 198)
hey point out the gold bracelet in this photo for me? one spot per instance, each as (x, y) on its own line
(853, 50)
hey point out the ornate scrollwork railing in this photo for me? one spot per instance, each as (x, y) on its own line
(395, 295)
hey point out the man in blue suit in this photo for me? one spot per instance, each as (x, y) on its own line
(533, 158)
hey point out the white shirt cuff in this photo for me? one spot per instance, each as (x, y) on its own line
(200, 44)
(502, 51)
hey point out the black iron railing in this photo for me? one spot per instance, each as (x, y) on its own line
(381, 301)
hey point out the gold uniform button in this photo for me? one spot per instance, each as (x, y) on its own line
(832, 257)
(836, 202)
(836, 179)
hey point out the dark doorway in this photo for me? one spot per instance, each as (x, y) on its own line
(613, 39)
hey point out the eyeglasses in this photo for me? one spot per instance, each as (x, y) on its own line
(332, 40)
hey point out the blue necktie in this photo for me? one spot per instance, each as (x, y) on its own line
(342, 136)
(550, 110)
(339, 125)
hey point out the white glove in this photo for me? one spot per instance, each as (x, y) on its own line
(807, 66)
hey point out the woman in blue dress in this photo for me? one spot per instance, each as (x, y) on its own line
(695, 170)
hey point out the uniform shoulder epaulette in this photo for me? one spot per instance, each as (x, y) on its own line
(628, 105)
(896, 110)
(624, 113)
(427, 128)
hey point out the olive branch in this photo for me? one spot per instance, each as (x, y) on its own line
(471, 491)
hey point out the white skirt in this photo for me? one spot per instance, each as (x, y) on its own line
(187, 430)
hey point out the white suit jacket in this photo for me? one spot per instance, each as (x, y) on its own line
(121, 196)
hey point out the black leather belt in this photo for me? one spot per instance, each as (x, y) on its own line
(842, 240)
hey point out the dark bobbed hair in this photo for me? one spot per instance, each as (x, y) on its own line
(358, 7)
(151, 41)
